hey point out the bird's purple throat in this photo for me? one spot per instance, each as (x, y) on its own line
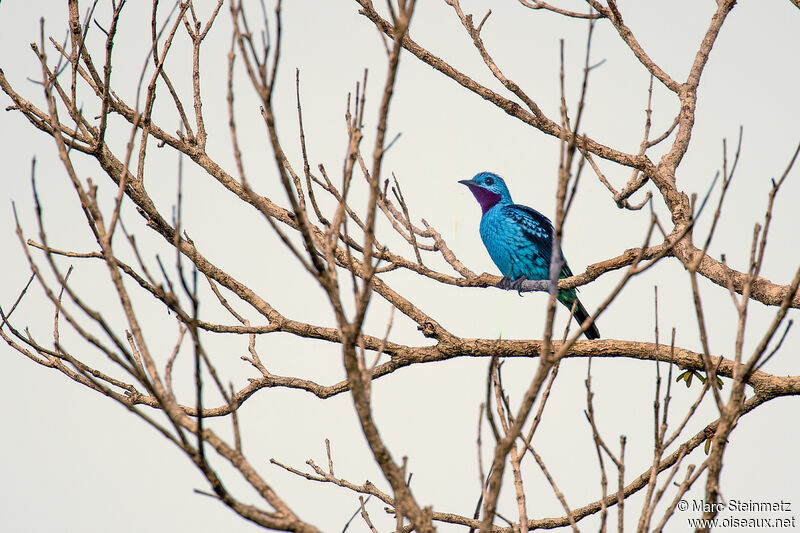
(486, 198)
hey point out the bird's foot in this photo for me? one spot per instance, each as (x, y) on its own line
(504, 283)
(512, 285)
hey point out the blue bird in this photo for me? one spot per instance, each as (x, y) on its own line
(520, 240)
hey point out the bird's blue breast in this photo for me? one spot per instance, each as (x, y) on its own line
(518, 240)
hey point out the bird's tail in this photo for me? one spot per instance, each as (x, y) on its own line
(580, 313)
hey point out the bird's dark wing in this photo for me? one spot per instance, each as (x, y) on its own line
(538, 231)
(535, 228)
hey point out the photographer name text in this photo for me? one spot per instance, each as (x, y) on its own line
(775, 506)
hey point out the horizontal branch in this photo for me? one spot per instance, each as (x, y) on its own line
(765, 385)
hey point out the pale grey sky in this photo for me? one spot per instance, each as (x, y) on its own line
(74, 461)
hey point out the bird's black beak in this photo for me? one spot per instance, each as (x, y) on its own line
(468, 183)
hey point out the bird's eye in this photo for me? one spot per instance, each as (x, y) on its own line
(489, 180)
